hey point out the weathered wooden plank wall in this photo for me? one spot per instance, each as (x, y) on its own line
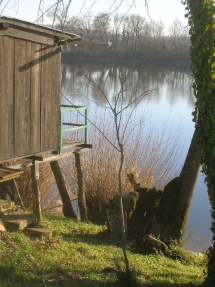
(50, 102)
(29, 97)
(6, 97)
(56, 88)
(35, 98)
(21, 99)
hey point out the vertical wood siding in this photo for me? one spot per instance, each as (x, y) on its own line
(50, 102)
(35, 98)
(21, 99)
(29, 98)
(6, 97)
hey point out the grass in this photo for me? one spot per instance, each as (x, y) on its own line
(81, 254)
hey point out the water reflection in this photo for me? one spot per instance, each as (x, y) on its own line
(171, 101)
(199, 220)
(175, 85)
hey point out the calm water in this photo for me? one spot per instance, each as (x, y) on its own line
(170, 104)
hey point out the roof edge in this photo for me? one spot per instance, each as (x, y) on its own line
(20, 24)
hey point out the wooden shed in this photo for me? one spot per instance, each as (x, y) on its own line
(30, 73)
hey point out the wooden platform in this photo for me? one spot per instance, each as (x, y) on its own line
(68, 149)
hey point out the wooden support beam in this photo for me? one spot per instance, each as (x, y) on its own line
(77, 149)
(67, 205)
(36, 157)
(22, 165)
(8, 168)
(81, 191)
(73, 107)
(85, 145)
(57, 157)
(36, 190)
(55, 152)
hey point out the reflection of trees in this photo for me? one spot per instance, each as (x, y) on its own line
(173, 84)
(179, 85)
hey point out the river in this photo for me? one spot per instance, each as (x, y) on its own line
(170, 104)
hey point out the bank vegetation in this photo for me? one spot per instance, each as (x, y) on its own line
(128, 34)
(81, 254)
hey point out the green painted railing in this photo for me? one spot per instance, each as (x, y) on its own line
(74, 126)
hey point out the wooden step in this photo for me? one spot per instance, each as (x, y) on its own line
(6, 205)
(15, 222)
(2, 228)
(40, 233)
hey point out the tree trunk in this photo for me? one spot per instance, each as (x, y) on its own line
(175, 201)
(67, 206)
(202, 28)
(164, 213)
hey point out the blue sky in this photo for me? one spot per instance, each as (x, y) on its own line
(164, 10)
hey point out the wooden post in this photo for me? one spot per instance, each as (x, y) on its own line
(67, 205)
(81, 192)
(36, 190)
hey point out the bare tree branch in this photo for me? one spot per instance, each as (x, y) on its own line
(50, 8)
(4, 6)
(55, 12)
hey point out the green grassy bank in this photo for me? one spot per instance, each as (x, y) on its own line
(81, 254)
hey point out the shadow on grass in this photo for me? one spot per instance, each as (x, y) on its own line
(11, 278)
(209, 282)
(111, 278)
(102, 238)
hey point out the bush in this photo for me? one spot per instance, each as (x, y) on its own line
(153, 164)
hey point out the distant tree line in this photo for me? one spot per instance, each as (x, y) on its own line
(130, 35)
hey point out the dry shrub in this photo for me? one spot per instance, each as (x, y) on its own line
(153, 160)
(101, 179)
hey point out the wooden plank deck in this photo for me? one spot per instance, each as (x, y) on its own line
(69, 148)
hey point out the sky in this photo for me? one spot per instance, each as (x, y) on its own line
(164, 10)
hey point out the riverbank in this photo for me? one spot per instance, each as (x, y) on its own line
(174, 61)
(81, 254)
